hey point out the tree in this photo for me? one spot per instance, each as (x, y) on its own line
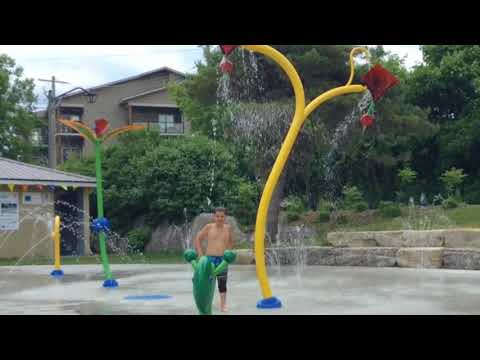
(372, 161)
(447, 85)
(447, 82)
(16, 112)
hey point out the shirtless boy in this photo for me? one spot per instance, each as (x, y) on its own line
(219, 239)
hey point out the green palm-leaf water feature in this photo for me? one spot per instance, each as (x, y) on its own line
(98, 136)
(205, 278)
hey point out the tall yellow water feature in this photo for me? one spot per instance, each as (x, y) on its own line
(302, 111)
(56, 237)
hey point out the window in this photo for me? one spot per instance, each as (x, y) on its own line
(166, 123)
(166, 120)
(39, 137)
(74, 114)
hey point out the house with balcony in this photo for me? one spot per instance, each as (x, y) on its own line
(141, 99)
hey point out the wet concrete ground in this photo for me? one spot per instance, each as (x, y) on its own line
(319, 290)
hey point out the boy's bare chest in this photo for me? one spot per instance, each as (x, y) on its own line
(217, 234)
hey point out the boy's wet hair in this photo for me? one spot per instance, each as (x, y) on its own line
(221, 209)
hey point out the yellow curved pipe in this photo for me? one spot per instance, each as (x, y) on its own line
(301, 114)
(56, 241)
(354, 52)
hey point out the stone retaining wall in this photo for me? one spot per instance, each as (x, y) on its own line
(450, 238)
(434, 257)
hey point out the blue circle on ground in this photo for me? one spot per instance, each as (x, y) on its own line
(57, 273)
(110, 283)
(270, 303)
(148, 297)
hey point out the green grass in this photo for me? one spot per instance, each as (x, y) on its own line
(467, 216)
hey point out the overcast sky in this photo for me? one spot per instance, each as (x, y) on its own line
(90, 65)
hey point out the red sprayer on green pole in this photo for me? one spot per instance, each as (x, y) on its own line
(101, 225)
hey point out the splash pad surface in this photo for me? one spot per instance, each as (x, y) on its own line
(318, 291)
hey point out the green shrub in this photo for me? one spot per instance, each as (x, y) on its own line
(294, 207)
(155, 177)
(407, 176)
(353, 199)
(351, 196)
(472, 197)
(138, 239)
(388, 209)
(246, 203)
(450, 203)
(323, 216)
(292, 216)
(361, 206)
(341, 218)
(326, 205)
(452, 179)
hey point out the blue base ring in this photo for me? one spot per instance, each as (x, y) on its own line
(270, 303)
(110, 284)
(57, 273)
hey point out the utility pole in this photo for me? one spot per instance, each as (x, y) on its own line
(52, 122)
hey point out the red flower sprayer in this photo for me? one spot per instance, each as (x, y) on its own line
(378, 82)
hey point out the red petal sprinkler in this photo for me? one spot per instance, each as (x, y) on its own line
(101, 127)
(367, 121)
(228, 49)
(226, 66)
(378, 81)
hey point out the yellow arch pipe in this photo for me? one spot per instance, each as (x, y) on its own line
(301, 114)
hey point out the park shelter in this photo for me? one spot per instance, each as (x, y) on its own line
(30, 197)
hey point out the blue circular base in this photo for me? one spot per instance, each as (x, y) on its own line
(57, 273)
(271, 303)
(110, 284)
(148, 297)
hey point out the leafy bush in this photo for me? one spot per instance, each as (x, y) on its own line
(138, 239)
(407, 176)
(341, 218)
(157, 178)
(450, 203)
(326, 205)
(388, 209)
(246, 203)
(353, 199)
(294, 207)
(361, 206)
(452, 179)
(323, 216)
(472, 197)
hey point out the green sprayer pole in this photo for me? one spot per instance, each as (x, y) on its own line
(102, 236)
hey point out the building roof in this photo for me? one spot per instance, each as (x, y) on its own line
(142, 94)
(131, 78)
(18, 173)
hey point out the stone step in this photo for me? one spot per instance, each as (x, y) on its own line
(449, 238)
(420, 257)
